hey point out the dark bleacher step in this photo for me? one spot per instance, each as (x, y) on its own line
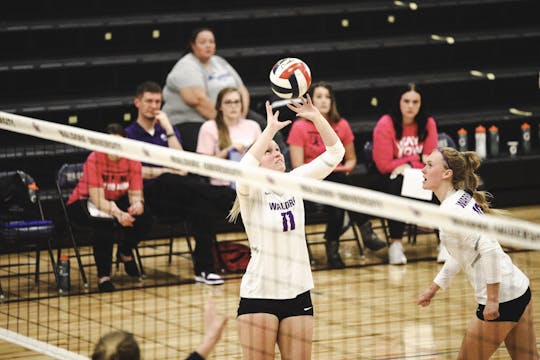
(66, 104)
(442, 89)
(476, 38)
(444, 77)
(255, 25)
(373, 57)
(293, 9)
(256, 91)
(40, 150)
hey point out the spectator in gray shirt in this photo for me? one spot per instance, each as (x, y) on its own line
(192, 86)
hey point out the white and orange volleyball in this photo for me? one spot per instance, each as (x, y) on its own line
(290, 78)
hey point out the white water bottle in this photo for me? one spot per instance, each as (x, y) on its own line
(463, 143)
(480, 140)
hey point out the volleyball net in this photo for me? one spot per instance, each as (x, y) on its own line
(164, 309)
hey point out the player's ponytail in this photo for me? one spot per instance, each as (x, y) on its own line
(234, 212)
(472, 181)
(464, 166)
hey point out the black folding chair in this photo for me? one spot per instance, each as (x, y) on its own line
(316, 215)
(67, 178)
(22, 222)
(189, 133)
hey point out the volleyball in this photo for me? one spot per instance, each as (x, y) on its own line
(290, 78)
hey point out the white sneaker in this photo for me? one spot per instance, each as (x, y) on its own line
(395, 254)
(443, 254)
(209, 278)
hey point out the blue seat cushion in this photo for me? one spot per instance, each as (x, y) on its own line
(26, 230)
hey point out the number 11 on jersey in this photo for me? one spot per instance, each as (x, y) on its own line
(288, 221)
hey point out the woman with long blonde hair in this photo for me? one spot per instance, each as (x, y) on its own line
(502, 290)
(275, 301)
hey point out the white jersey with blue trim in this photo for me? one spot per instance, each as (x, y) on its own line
(279, 267)
(480, 256)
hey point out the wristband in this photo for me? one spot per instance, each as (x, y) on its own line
(170, 135)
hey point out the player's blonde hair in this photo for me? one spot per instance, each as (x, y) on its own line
(235, 211)
(117, 345)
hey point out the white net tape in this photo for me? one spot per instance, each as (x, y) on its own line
(39, 346)
(508, 231)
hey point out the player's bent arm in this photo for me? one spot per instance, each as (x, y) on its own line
(447, 273)
(323, 164)
(273, 125)
(247, 161)
(296, 153)
(491, 310)
(489, 260)
(328, 134)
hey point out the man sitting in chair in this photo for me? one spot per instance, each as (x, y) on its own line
(174, 192)
(109, 191)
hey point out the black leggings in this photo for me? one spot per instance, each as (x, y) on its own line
(105, 230)
(335, 216)
(198, 202)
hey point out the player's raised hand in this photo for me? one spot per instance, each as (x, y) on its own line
(305, 109)
(272, 119)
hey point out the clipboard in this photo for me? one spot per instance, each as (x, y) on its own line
(95, 212)
(412, 185)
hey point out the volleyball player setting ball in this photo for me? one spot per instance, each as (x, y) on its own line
(275, 293)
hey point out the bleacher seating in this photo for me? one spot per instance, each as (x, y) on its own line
(78, 63)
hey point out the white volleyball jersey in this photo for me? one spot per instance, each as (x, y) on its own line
(480, 256)
(279, 267)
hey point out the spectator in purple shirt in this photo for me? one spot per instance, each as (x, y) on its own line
(172, 191)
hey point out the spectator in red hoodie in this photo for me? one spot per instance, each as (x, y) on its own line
(305, 144)
(402, 139)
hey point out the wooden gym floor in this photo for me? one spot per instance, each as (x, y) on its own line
(366, 311)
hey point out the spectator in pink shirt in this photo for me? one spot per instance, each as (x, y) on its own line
(305, 144)
(230, 134)
(402, 139)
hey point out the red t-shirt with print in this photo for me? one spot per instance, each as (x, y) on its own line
(115, 177)
(304, 133)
